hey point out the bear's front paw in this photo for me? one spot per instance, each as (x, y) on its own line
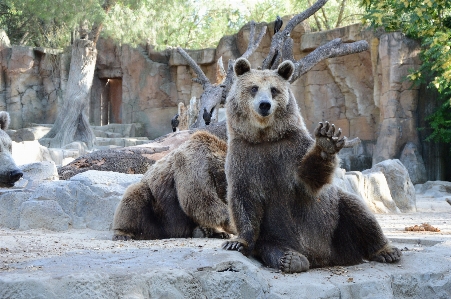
(237, 245)
(388, 254)
(293, 262)
(206, 232)
(329, 141)
(122, 237)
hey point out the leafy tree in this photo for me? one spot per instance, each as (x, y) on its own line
(429, 22)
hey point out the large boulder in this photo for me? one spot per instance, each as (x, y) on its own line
(385, 188)
(414, 163)
(87, 200)
(398, 180)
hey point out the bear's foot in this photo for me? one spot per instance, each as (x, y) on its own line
(122, 237)
(293, 262)
(207, 232)
(236, 245)
(388, 254)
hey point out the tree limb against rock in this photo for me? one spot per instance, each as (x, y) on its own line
(214, 94)
(334, 48)
(280, 37)
(281, 49)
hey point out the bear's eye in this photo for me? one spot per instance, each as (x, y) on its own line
(254, 89)
(274, 91)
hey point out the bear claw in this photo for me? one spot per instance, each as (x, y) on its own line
(233, 245)
(329, 140)
(388, 254)
(293, 262)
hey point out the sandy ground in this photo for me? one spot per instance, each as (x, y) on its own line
(18, 246)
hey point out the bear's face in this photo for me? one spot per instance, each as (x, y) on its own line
(260, 104)
(9, 172)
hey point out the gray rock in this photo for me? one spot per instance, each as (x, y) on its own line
(10, 205)
(40, 171)
(46, 214)
(398, 180)
(414, 163)
(30, 134)
(434, 189)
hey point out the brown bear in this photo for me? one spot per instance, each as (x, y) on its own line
(182, 195)
(282, 202)
(9, 172)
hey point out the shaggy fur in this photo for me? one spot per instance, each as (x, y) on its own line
(9, 172)
(285, 210)
(182, 195)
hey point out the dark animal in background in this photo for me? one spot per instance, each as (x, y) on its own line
(9, 172)
(207, 115)
(175, 122)
(277, 24)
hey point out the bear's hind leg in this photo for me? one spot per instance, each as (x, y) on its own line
(282, 258)
(134, 217)
(358, 235)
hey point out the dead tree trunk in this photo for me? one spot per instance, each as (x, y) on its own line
(72, 123)
(281, 49)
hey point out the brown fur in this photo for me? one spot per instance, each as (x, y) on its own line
(285, 210)
(182, 193)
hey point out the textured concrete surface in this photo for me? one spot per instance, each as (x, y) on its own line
(86, 264)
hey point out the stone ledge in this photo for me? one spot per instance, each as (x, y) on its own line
(348, 34)
(83, 262)
(204, 56)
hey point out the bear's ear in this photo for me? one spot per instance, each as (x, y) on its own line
(4, 120)
(241, 66)
(286, 69)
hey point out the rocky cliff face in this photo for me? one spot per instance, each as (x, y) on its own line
(365, 94)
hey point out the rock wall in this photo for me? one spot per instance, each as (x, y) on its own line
(365, 94)
(30, 83)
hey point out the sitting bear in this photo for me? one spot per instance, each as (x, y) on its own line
(9, 172)
(182, 195)
(282, 202)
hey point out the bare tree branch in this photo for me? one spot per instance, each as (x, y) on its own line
(287, 50)
(251, 47)
(201, 78)
(317, 21)
(253, 43)
(351, 143)
(340, 15)
(279, 38)
(326, 20)
(334, 48)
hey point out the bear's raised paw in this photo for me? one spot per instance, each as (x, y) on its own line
(329, 141)
(388, 254)
(293, 262)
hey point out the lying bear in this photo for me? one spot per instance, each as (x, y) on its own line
(285, 209)
(9, 172)
(182, 195)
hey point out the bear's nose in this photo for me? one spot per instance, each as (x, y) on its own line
(15, 175)
(264, 107)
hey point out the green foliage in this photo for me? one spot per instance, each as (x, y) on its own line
(329, 16)
(186, 23)
(428, 21)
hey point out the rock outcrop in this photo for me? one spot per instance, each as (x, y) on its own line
(365, 94)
